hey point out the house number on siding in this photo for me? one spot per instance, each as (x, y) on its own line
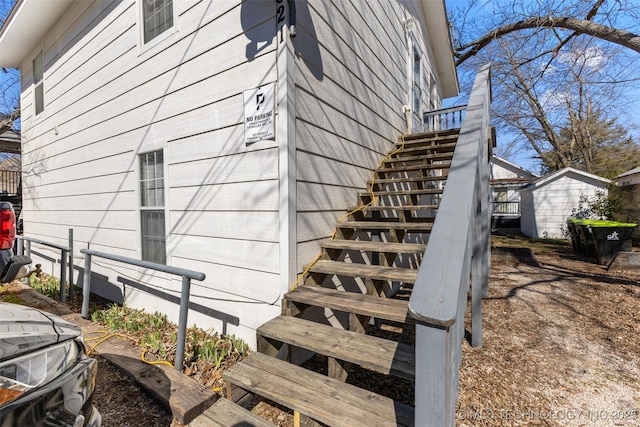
(281, 15)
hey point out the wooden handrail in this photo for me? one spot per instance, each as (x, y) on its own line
(458, 249)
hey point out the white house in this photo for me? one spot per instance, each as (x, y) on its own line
(218, 136)
(548, 202)
(506, 179)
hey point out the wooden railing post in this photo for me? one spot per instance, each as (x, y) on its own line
(435, 343)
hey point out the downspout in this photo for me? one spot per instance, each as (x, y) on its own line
(292, 18)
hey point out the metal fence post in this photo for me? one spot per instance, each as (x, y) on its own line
(27, 280)
(71, 264)
(63, 276)
(86, 285)
(182, 324)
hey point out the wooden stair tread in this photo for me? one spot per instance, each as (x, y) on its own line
(377, 272)
(411, 149)
(397, 208)
(409, 179)
(377, 354)
(391, 309)
(387, 225)
(419, 158)
(317, 396)
(225, 413)
(406, 192)
(431, 136)
(392, 167)
(365, 245)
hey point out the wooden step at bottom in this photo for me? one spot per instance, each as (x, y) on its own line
(368, 246)
(376, 272)
(225, 413)
(317, 396)
(366, 305)
(377, 354)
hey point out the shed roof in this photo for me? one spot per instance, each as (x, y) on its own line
(577, 174)
(522, 172)
(631, 172)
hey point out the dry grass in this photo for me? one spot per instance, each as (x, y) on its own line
(560, 344)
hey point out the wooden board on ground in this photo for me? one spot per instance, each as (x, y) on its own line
(185, 397)
(225, 413)
(625, 261)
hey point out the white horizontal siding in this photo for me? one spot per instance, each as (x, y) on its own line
(107, 98)
(351, 81)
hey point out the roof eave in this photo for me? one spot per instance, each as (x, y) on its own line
(27, 25)
(435, 16)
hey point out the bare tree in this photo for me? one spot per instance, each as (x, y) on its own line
(577, 26)
(558, 92)
(9, 82)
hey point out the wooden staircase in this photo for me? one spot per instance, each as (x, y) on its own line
(364, 273)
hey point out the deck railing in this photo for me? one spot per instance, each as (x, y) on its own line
(505, 208)
(458, 250)
(10, 181)
(444, 119)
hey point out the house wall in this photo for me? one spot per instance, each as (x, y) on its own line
(629, 180)
(500, 172)
(546, 209)
(108, 98)
(351, 85)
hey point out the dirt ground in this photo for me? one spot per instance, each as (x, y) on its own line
(561, 342)
(561, 347)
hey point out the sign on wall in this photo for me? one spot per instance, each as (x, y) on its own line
(259, 109)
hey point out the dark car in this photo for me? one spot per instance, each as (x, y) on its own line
(46, 379)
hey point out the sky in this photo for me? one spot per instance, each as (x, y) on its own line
(524, 159)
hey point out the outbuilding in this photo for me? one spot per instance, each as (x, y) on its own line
(547, 202)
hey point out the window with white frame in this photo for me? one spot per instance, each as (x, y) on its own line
(154, 245)
(38, 82)
(157, 16)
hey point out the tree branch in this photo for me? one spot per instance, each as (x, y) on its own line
(579, 26)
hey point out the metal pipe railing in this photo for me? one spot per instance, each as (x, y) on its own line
(187, 275)
(65, 252)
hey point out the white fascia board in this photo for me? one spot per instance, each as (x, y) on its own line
(27, 24)
(435, 16)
